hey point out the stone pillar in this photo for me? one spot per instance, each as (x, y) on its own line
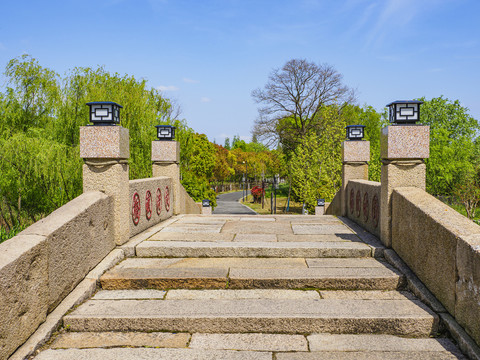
(105, 151)
(166, 162)
(319, 210)
(355, 158)
(403, 149)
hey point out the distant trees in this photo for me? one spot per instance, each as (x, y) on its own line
(292, 99)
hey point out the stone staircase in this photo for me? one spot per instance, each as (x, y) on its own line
(256, 287)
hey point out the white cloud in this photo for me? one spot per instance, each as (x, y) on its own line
(167, 88)
(190, 81)
(205, 99)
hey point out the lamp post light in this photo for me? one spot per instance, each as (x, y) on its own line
(404, 112)
(104, 113)
(165, 132)
(355, 132)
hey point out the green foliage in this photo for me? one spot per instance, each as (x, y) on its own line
(452, 144)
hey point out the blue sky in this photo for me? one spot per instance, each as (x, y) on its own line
(210, 54)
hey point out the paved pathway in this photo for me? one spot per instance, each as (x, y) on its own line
(252, 288)
(228, 204)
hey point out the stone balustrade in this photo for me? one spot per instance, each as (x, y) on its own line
(40, 266)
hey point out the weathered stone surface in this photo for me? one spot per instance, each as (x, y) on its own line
(314, 229)
(425, 235)
(157, 354)
(405, 142)
(107, 263)
(257, 227)
(368, 238)
(370, 355)
(251, 342)
(345, 263)
(202, 220)
(86, 340)
(166, 278)
(464, 341)
(179, 236)
(386, 343)
(356, 151)
(325, 219)
(24, 295)
(79, 235)
(154, 186)
(351, 171)
(192, 228)
(241, 294)
(367, 295)
(257, 218)
(129, 294)
(318, 238)
(256, 237)
(252, 249)
(322, 278)
(398, 317)
(104, 142)
(166, 151)
(258, 263)
(82, 292)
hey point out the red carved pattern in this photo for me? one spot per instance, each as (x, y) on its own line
(352, 201)
(375, 211)
(136, 209)
(357, 203)
(167, 198)
(365, 207)
(159, 201)
(148, 205)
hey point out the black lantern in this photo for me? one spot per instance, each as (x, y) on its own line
(406, 112)
(165, 132)
(104, 113)
(320, 202)
(206, 203)
(355, 132)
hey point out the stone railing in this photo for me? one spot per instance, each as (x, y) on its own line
(442, 247)
(363, 204)
(40, 266)
(151, 201)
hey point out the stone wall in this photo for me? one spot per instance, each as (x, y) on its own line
(363, 204)
(442, 247)
(40, 266)
(151, 201)
(187, 204)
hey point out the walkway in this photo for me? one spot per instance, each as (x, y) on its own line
(252, 288)
(228, 204)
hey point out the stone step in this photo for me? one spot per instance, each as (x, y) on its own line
(253, 249)
(252, 273)
(277, 315)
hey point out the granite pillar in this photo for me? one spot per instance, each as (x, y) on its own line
(166, 162)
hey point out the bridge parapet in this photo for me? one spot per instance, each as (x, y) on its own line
(40, 266)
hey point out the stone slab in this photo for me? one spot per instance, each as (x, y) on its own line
(318, 238)
(174, 236)
(367, 295)
(189, 278)
(299, 316)
(241, 294)
(257, 218)
(258, 263)
(250, 342)
(314, 229)
(252, 249)
(192, 228)
(256, 237)
(346, 263)
(386, 343)
(257, 227)
(145, 353)
(320, 278)
(86, 340)
(368, 355)
(201, 221)
(129, 294)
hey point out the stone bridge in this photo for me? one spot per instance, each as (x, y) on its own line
(137, 270)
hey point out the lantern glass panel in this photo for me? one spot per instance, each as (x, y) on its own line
(320, 202)
(104, 112)
(205, 203)
(404, 111)
(355, 132)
